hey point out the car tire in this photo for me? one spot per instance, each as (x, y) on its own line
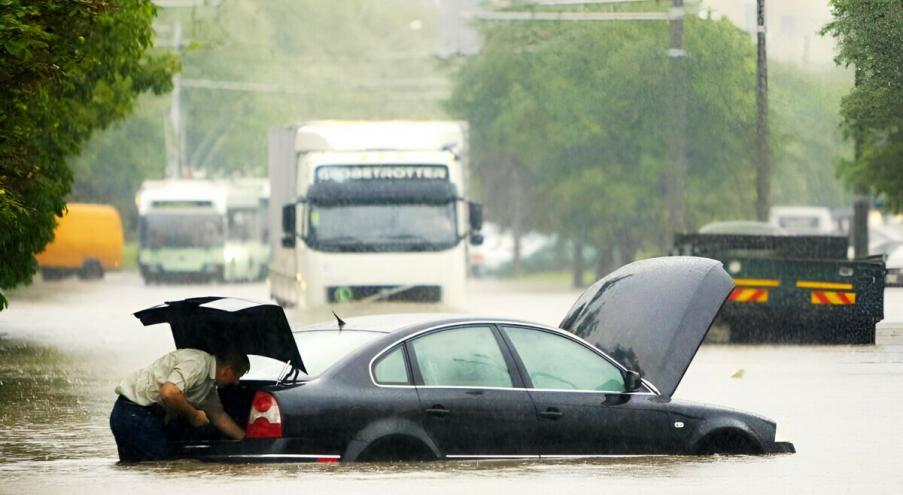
(730, 442)
(91, 270)
(396, 448)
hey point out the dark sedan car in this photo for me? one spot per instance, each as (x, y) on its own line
(417, 387)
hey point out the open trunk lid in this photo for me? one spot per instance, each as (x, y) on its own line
(652, 315)
(213, 324)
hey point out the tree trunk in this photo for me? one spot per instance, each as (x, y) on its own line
(577, 273)
(603, 264)
(516, 254)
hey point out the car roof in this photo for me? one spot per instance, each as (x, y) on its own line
(403, 322)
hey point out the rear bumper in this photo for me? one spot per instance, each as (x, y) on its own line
(255, 450)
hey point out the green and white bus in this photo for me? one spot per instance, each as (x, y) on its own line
(202, 230)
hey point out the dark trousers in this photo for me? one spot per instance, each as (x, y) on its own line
(138, 431)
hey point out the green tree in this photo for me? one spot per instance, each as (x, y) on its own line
(870, 38)
(584, 109)
(67, 68)
(805, 111)
(295, 61)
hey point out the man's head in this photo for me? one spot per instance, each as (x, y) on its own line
(230, 366)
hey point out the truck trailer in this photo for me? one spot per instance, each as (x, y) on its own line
(793, 288)
(370, 211)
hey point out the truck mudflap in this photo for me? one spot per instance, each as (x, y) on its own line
(783, 298)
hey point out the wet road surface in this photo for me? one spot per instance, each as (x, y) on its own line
(64, 346)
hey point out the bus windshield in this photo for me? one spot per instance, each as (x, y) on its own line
(398, 227)
(181, 230)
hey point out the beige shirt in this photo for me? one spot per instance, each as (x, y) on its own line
(191, 370)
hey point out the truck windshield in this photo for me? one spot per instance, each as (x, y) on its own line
(180, 230)
(399, 227)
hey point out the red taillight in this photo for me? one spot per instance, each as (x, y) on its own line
(262, 402)
(265, 420)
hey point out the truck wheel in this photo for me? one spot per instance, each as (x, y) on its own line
(91, 270)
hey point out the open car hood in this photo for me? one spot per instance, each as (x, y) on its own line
(652, 315)
(212, 324)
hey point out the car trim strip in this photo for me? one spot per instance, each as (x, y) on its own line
(548, 456)
(653, 388)
(492, 456)
(283, 456)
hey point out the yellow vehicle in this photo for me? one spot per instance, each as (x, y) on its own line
(87, 242)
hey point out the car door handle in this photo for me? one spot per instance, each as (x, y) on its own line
(437, 410)
(551, 413)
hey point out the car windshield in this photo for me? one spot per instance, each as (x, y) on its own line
(319, 349)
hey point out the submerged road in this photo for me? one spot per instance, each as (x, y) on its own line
(64, 346)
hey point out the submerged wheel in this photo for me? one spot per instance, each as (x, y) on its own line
(731, 442)
(396, 448)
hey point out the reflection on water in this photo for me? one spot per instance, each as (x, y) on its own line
(49, 408)
(839, 405)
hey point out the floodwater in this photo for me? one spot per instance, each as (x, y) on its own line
(64, 346)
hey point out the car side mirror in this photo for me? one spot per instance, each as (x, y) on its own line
(632, 381)
(289, 233)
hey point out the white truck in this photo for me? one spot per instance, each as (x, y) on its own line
(370, 211)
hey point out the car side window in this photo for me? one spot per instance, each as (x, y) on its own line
(467, 356)
(391, 369)
(556, 362)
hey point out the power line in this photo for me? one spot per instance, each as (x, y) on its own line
(583, 2)
(485, 15)
(432, 84)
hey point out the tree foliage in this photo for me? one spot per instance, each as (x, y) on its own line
(67, 68)
(354, 59)
(584, 110)
(870, 37)
(295, 60)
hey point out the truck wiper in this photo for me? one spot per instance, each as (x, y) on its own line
(409, 237)
(344, 239)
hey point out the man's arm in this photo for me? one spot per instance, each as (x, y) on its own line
(228, 426)
(173, 399)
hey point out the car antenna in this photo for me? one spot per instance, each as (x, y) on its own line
(340, 321)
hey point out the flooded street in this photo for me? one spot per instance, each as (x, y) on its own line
(64, 346)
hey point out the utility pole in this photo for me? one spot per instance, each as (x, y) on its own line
(176, 157)
(677, 183)
(763, 158)
(861, 203)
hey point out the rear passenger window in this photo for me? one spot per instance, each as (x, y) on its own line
(463, 357)
(391, 369)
